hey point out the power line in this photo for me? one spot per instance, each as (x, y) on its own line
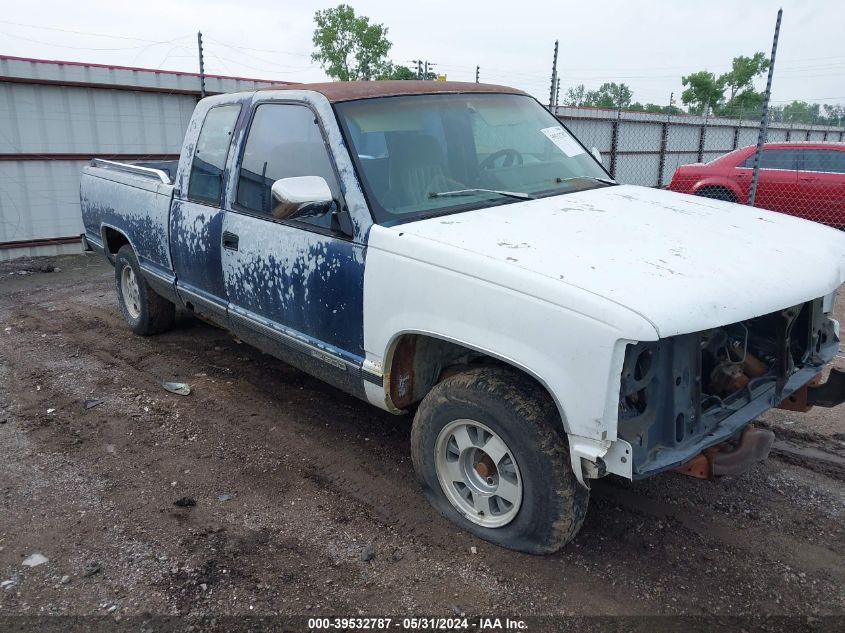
(88, 48)
(278, 69)
(260, 50)
(114, 37)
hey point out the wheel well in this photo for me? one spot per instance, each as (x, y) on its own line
(418, 362)
(720, 192)
(113, 240)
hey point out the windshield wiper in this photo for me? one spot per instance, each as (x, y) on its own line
(606, 181)
(470, 192)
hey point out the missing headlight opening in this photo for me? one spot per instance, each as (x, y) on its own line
(696, 390)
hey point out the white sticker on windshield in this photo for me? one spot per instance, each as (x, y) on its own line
(563, 140)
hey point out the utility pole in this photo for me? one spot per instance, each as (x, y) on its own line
(418, 63)
(202, 66)
(764, 115)
(477, 70)
(554, 79)
(557, 92)
(429, 68)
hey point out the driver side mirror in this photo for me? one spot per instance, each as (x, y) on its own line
(596, 153)
(301, 197)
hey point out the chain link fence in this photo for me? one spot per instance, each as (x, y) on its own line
(801, 169)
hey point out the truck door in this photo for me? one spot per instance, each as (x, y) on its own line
(295, 287)
(196, 219)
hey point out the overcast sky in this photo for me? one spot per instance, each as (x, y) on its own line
(648, 45)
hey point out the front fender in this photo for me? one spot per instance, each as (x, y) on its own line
(575, 352)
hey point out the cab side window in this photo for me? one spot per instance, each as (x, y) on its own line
(205, 183)
(284, 141)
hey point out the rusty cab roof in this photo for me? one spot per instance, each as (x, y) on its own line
(336, 91)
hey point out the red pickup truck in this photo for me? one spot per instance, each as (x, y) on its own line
(802, 179)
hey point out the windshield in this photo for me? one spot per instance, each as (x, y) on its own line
(471, 149)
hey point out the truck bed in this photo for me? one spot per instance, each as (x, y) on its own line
(134, 200)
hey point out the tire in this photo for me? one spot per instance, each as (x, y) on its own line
(145, 311)
(515, 409)
(716, 193)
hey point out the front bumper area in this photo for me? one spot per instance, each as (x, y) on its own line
(753, 446)
(669, 412)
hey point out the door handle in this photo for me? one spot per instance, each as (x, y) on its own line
(230, 241)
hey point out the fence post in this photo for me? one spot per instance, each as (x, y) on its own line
(661, 163)
(701, 134)
(764, 114)
(736, 137)
(614, 142)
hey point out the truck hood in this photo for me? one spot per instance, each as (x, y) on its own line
(683, 263)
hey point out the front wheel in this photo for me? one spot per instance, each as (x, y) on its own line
(489, 449)
(145, 311)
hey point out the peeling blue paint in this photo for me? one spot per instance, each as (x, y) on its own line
(195, 246)
(138, 214)
(305, 284)
(311, 283)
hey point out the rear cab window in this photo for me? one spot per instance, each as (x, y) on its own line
(206, 179)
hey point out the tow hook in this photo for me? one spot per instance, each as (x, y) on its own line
(830, 393)
(723, 459)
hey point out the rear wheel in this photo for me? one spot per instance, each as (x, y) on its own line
(145, 311)
(716, 193)
(489, 449)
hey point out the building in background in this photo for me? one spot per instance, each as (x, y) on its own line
(55, 116)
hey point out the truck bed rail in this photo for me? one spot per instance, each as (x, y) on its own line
(146, 172)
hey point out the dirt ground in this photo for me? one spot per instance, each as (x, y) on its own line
(292, 480)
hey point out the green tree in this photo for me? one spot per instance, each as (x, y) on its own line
(575, 95)
(834, 113)
(348, 47)
(609, 95)
(654, 107)
(800, 112)
(745, 105)
(740, 78)
(398, 72)
(702, 90)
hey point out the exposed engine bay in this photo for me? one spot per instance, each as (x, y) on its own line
(682, 394)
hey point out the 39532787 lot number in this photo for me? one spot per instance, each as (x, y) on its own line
(383, 624)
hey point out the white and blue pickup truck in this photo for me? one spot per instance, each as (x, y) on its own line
(452, 250)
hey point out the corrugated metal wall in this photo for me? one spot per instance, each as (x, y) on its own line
(632, 143)
(54, 116)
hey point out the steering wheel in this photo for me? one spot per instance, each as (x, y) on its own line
(511, 156)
